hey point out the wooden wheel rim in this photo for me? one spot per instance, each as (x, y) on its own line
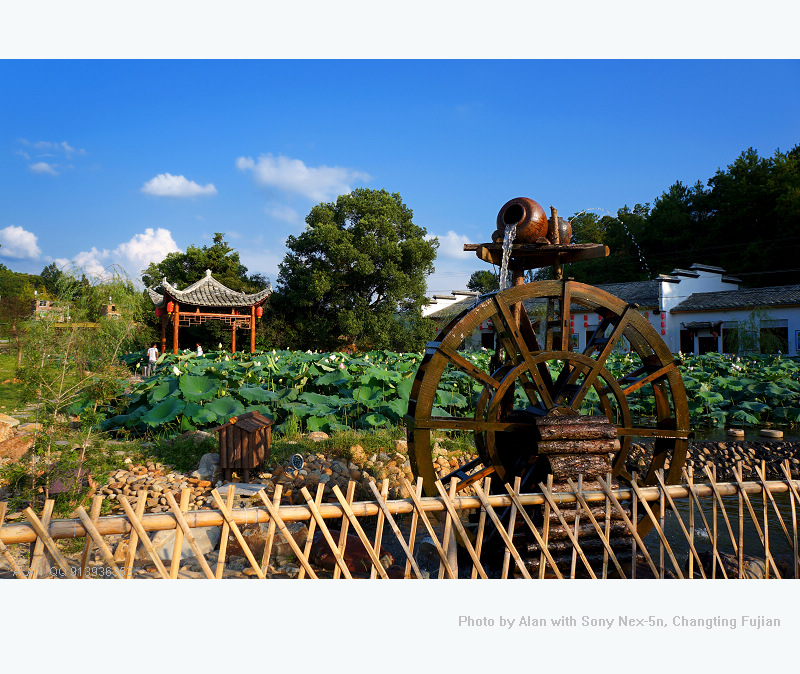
(671, 430)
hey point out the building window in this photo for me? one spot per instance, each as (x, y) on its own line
(687, 341)
(487, 340)
(773, 338)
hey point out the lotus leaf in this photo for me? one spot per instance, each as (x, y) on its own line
(372, 420)
(198, 414)
(225, 407)
(164, 412)
(255, 394)
(196, 388)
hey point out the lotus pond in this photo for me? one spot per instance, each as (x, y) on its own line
(333, 391)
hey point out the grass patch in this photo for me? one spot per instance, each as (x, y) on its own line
(182, 453)
(11, 393)
(338, 444)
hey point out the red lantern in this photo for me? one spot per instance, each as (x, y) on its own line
(158, 311)
(714, 334)
(663, 324)
(260, 312)
(663, 315)
(663, 332)
(170, 307)
(647, 314)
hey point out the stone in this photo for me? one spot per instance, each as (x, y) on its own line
(771, 433)
(318, 436)
(15, 448)
(255, 535)
(356, 557)
(29, 427)
(207, 539)
(8, 421)
(6, 432)
(401, 446)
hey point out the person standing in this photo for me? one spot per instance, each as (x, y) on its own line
(199, 350)
(152, 357)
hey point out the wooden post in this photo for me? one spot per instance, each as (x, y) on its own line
(555, 238)
(233, 337)
(253, 329)
(175, 320)
(164, 330)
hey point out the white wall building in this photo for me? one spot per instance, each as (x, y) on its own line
(695, 310)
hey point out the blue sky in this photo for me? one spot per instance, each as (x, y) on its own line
(121, 162)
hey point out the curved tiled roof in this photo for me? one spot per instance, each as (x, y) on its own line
(208, 292)
(745, 298)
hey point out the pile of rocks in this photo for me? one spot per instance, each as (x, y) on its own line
(16, 437)
(319, 468)
(725, 455)
(156, 480)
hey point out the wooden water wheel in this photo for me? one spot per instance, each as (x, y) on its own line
(538, 378)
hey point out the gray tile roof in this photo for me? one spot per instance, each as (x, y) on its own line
(208, 292)
(745, 298)
(643, 293)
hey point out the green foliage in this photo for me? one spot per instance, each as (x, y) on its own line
(744, 219)
(183, 269)
(483, 281)
(355, 277)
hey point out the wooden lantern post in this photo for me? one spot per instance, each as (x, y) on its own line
(253, 328)
(175, 320)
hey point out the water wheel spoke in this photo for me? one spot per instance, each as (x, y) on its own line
(591, 376)
(515, 344)
(655, 375)
(465, 479)
(466, 367)
(529, 334)
(566, 296)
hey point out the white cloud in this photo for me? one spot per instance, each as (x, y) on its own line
(285, 213)
(18, 243)
(452, 245)
(319, 183)
(133, 256)
(150, 246)
(44, 167)
(168, 185)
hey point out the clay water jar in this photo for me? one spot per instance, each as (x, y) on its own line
(527, 215)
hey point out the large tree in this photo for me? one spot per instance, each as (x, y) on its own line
(483, 281)
(183, 269)
(355, 277)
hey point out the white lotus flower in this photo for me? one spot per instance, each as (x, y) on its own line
(176, 370)
(341, 366)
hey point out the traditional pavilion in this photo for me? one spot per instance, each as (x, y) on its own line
(207, 300)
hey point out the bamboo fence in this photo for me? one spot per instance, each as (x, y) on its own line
(698, 530)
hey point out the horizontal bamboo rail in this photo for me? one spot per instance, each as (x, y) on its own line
(120, 524)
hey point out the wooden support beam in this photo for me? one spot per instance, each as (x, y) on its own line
(175, 321)
(253, 329)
